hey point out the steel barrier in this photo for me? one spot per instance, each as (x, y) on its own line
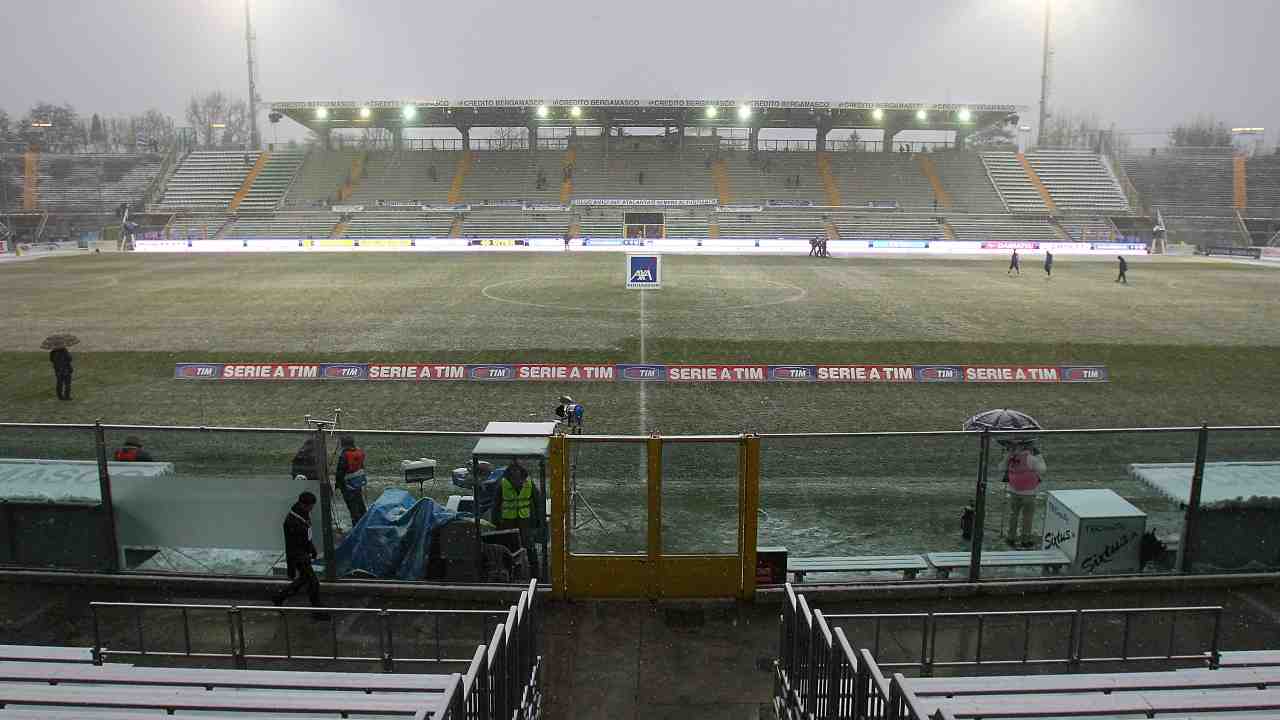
(503, 677)
(818, 674)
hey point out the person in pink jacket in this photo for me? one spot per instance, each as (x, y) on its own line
(1023, 469)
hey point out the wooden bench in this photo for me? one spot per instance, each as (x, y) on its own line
(230, 703)
(1249, 658)
(42, 653)
(1235, 678)
(1150, 704)
(908, 565)
(1051, 560)
(208, 679)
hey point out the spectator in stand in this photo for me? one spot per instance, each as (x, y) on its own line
(132, 451)
(431, 173)
(350, 478)
(61, 360)
(640, 178)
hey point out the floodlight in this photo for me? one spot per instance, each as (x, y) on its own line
(711, 111)
(543, 111)
(575, 111)
(965, 115)
(921, 115)
(41, 124)
(744, 112)
(322, 113)
(217, 126)
(877, 114)
(365, 112)
(408, 112)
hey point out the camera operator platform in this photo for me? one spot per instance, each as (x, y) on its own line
(531, 452)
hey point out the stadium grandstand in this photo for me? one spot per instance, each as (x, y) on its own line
(588, 169)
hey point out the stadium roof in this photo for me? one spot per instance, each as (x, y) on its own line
(629, 112)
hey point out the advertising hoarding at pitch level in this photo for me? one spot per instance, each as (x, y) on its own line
(644, 272)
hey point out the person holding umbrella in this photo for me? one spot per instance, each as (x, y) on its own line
(1023, 468)
(60, 358)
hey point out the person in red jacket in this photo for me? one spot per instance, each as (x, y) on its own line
(132, 451)
(350, 478)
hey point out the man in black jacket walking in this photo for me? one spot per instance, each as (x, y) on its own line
(61, 359)
(299, 551)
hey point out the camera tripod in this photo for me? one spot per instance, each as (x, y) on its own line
(576, 498)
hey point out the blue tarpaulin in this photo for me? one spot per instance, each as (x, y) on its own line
(393, 539)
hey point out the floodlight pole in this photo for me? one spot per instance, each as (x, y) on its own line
(255, 142)
(1044, 75)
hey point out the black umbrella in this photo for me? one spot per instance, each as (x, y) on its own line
(1003, 419)
(59, 340)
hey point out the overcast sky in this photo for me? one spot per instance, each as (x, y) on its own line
(1142, 64)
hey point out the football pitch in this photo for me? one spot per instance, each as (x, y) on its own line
(1188, 340)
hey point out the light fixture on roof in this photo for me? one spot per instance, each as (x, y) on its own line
(217, 126)
(921, 115)
(711, 111)
(877, 114)
(543, 111)
(322, 113)
(965, 115)
(744, 112)
(575, 111)
(365, 112)
(408, 112)
(41, 124)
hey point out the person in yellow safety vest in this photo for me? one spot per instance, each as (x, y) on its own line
(518, 506)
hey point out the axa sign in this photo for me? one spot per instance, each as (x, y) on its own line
(644, 271)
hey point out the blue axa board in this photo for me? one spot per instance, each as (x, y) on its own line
(644, 271)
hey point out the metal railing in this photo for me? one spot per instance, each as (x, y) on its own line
(1075, 653)
(818, 674)
(503, 678)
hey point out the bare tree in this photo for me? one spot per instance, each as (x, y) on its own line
(157, 129)
(205, 112)
(1069, 129)
(55, 128)
(509, 138)
(1201, 131)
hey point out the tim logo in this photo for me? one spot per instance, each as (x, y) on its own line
(644, 271)
(791, 373)
(939, 373)
(641, 372)
(492, 372)
(1084, 374)
(199, 371)
(343, 372)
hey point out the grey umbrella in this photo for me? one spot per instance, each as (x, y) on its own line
(1003, 419)
(59, 340)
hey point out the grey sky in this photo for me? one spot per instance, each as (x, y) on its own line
(1143, 64)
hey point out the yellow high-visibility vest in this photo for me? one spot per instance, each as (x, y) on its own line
(516, 503)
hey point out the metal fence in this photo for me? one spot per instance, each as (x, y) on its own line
(818, 673)
(503, 677)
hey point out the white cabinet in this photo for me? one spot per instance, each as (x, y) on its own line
(1099, 530)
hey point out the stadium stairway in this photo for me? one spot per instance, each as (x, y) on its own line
(248, 182)
(829, 187)
(720, 178)
(1239, 182)
(271, 181)
(713, 228)
(455, 227)
(931, 173)
(570, 159)
(459, 177)
(338, 230)
(353, 178)
(1035, 182)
